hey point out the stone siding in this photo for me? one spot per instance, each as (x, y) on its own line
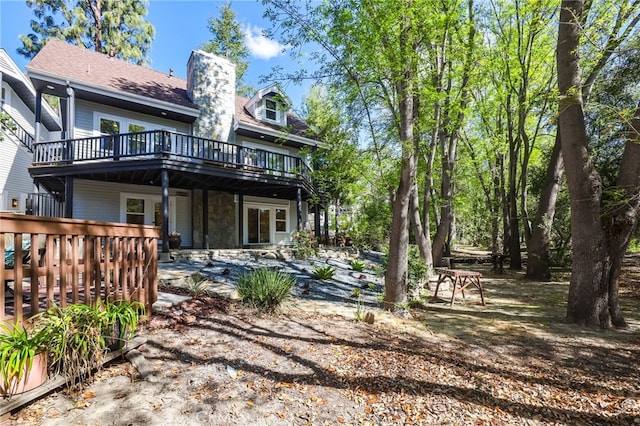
(211, 82)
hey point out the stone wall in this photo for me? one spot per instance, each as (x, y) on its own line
(211, 84)
(222, 220)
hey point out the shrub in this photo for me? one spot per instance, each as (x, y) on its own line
(306, 245)
(122, 319)
(265, 288)
(357, 265)
(76, 340)
(197, 285)
(323, 272)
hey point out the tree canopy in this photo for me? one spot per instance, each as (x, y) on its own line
(115, 27)
(228, 41)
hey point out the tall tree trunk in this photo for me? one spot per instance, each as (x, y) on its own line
(422, 238)
(396, 285)
(505, 206)
(448, 146)
(599, 237)
(538, 247)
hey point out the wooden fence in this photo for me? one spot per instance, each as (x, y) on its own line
(60, 261)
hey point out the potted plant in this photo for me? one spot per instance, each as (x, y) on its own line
(76, 340)
(23, 358)
(175, 239)
(122, 319)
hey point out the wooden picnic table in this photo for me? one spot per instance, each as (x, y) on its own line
(460, 280)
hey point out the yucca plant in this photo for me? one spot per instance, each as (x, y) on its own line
(197, 285)
(357, 265)
(265, 288)
(323, 272)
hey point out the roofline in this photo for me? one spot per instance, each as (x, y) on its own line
(237, 124)
(117, 94)
(19, 75)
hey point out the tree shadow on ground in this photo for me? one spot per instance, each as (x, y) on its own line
(377, 361)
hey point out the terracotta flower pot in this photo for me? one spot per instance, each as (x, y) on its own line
(33, 378)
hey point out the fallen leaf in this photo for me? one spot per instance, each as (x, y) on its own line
(120, 395)
(88, 395)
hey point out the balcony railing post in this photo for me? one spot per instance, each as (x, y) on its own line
(163, 143)
(67, 152)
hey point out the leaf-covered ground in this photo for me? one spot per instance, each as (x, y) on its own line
(514, 361)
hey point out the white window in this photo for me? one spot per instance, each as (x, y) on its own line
(265, 224)
(270, 109)
(273, 110)
(146, 209)
(5, 97)
(135, 211)
(281, 220)
(136, 143)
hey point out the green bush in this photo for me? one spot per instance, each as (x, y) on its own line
(323, 272)
(197, 285)
(76, 341)
(305, 246)
(265, 288)
(357, 265)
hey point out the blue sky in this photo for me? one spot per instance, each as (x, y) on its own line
(181, 26)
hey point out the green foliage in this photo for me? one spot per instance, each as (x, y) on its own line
(323, 272)
(265, 288)
(121, 320)
(417, 270)
(634, 245)
(75, 339)
(358, 294)
(197, 285)
(228, 41)
(18, 347)
(357, 265)
(305, 245)
(124, 32)
(373, 225)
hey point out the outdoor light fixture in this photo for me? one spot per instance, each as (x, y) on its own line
(14, 202)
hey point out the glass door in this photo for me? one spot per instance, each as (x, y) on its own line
(258, 226)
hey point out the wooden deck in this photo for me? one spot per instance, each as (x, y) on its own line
(73, 261)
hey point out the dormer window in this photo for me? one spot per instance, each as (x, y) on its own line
(274, 111)
(269, 105)
(271, 109)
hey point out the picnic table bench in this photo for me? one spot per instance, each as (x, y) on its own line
(460, 280)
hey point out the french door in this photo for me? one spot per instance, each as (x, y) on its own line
(258, 225)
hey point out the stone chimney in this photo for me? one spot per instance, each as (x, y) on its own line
(211, 84)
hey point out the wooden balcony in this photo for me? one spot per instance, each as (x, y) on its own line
(191, 158)
(60, 261)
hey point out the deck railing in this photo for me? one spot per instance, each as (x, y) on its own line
(60, 261)
(43, 204)
(166, 144)
(12, 126)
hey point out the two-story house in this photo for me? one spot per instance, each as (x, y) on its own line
(17, 111)
(142, 146)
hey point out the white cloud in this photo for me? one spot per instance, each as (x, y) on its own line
(259, 45)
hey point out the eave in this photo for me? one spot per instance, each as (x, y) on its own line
(272, 135)
(56, 85)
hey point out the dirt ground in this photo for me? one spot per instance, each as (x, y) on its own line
(513, 361)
